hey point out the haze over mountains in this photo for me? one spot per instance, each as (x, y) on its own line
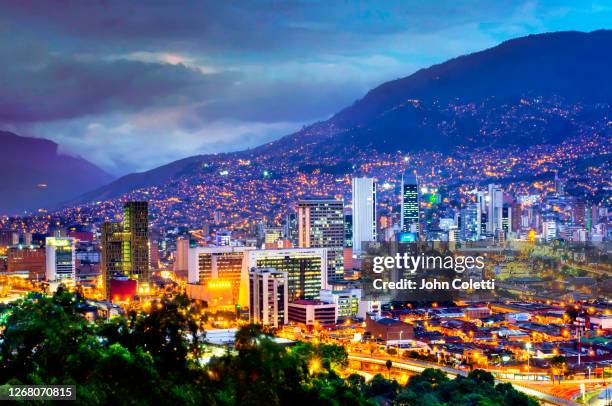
(35, 175)
(533, 90)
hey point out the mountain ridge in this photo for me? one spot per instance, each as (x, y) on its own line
(525, 91)
(39, 177)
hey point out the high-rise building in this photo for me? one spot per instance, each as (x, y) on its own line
(181, 259)
(268, 297)
(124, 248)
(410, 204)
(306, 269)
(506, 218)
(321, 225)
(578, 214)
(348, 230)
(222, 273)
(549, 230)
(136, 225)
(470, 222)
(291, 228)
(364, 212)
(60, 258)
(495, 206)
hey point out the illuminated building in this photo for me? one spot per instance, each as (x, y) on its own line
(124, 248)
(495, 207)
(136, 224)
(272, 235)
(549, 230)
(578, 214)
(346, 301)
(410, 204)
(181, 259)
(470, 222)
(27, 261)
(305, 267)
(60, 259)
(223, 238)
(321, 225)
(312, 312)
(220, 268)
(268, 297)
(364, 212)
(506, 220)
(291, 228)
(348, 230)
(387, 329)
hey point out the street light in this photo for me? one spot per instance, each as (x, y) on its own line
(528, 347)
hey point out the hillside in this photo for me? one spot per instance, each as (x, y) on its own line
(36, 176)
(522, 93)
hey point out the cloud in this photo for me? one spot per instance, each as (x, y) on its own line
(134, 85)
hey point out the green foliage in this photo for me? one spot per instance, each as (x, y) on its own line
(151, 358)
(433, 387)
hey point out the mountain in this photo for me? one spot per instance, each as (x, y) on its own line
(539, 89)
(35, 175)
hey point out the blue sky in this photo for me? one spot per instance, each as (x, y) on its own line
(132, 85)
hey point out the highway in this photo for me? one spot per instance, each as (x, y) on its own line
(418, 367)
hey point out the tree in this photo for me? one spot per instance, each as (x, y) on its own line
(389, 364)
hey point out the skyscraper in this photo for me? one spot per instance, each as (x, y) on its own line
(306, 269)
(470, 222)
(495, 206)
(410, 204)
(125, 248)
(364, 212)
(136, 225)
(268, 297)
(321, 225)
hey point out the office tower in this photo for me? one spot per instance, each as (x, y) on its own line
(291, 228)
(125, 248)
(494, 211)
(221, 272)
(181, 258)
(112, 241)
(410, 204)
(348, 230)
(321, 225)
(136, 225)
(268, 297)
(506, 218)
(306, 269)
(60, 259)
(549, 230)
(364, 212)
(470, 222)
(516, 217)
(578, 214)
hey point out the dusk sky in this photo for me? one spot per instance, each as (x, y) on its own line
(133, 85)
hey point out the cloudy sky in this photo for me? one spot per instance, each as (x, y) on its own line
(132, 85)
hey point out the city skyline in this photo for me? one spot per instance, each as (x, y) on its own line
(442, 238)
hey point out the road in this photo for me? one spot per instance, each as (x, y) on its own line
(418, 367)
